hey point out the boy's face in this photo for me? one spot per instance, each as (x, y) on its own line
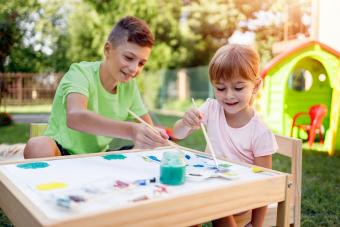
(125, 61)
(235, 95)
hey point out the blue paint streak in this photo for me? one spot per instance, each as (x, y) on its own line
(33, 165)
(187, 156)
(114, 156)
(154, 158)
(199, 165)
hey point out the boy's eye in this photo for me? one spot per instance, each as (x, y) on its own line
(220, 89)
(141, 64)
(128, 58)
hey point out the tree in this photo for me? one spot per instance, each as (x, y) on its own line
(31, 41)
(92, 21)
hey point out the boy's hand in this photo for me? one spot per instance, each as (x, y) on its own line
(145, 137)
(193, 118)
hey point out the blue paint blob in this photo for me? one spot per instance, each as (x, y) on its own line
(64, 203)
(114, 156)
(33, 165)
(187, 156)
(199, 165)
(141, 182)
(154, 158)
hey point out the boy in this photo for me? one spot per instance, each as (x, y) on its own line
(90, 104)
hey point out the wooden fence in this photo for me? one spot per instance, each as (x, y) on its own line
(28, 88)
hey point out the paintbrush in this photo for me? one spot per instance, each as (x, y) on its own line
(172, 144)
(207, 138)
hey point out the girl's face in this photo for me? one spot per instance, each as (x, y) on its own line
(235, 95)
(125, 61)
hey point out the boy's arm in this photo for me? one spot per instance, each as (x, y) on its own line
(81, 119)
(147, 118)
(259, 214)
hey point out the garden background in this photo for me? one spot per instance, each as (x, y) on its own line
(43, 37)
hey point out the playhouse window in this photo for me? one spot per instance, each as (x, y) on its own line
(300, 80)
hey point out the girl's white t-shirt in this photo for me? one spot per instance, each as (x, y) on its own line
(243, 144)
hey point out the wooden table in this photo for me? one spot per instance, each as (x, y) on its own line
(185, 205)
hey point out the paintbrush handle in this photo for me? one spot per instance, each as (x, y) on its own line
(174, 145)
(206, 137)
(209, 144)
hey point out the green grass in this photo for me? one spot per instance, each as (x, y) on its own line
(320, 176)
(14, 133)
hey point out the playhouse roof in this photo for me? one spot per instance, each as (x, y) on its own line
(276, 60)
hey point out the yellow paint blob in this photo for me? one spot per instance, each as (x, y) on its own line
(50, 186)
(257, 169)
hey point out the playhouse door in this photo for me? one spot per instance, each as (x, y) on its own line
(308, 84)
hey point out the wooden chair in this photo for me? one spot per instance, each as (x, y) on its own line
(37, 129)
(292, 148)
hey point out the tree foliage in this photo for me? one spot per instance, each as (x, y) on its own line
(50, 35)
(33, 32)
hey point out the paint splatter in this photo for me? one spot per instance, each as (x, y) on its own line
(121, 184)
(114, 156)
(33, 165)
(154, 158)
(224, 165)
(203, 156)
(160, 189)
(187, 156)
(195, 174)
(256, 169)
(64, 203)
(140, 198)
(77, 198)
(50, 186)
(198, 165)
(144, 182)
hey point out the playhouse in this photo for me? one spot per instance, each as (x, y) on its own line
(297, 79)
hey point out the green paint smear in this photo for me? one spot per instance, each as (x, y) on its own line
(33, 165)
(114, 156)
(224, 165)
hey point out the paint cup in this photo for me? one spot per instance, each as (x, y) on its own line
(172, 170)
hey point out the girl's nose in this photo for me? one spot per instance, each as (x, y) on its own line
(229, 93)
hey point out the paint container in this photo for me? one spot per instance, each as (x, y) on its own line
(172, 170)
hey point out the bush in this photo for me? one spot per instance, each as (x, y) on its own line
(5, 119)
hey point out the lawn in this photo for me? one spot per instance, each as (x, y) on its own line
(320, 178)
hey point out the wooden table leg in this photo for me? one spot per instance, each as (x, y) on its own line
(283, 208)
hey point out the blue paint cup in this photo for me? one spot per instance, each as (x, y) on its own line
(172, 170)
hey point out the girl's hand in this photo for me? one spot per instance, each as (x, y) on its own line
(193, 118)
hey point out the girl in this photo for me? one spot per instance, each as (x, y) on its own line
(235, 130)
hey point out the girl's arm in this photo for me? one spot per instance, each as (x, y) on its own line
(259, 214)
(190, 122)
(180, 130)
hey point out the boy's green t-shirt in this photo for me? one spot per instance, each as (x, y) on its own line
(84, 78)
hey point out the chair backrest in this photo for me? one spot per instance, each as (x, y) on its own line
(317, 114)
(37, 129)
(292, 148)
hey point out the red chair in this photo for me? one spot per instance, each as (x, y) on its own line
(316, 114)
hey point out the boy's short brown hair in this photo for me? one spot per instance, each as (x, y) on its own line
(234, 60)
(131, 29)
